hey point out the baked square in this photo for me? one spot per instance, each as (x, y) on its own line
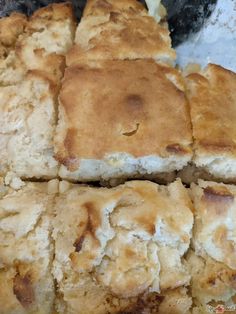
(122, 119)
(215, 221)
(114, 30)
(212, 99)
(111, 247)
(40, 42)
(26, 252)
(27, 126)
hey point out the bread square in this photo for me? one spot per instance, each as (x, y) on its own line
(41, 42)
(213, 262)
(122, 119)
(120, 30)
(27, 125)
(212, 99)
(111, 246)
(26, 249)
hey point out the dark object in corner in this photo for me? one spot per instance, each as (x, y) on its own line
(186, 17)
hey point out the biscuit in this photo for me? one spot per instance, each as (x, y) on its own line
(27, 125)
(212, 99)
(43, 42)
(212, 263)
(26, 251)
(215, 223)
(112, 121)
(112, 30)
(108, 243)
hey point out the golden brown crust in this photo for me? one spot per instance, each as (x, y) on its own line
(108, 244)
(102, 7)
(11, 27)
(54, 11)
(122, 106)
(215, 209)
(121, 36)
(212, 98)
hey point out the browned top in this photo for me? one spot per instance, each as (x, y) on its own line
(23, 290)
(212, 97)
(136, 107)
(101, 7)
(120, 36)
(54, 11)
(10, 28)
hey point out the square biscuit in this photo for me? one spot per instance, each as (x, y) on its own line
(215, 221)
(111, 247)
(120, 32)
(212, 264)
(27, 125)
(212, 100)
(122, 119)
(43, 42)
(26, 249)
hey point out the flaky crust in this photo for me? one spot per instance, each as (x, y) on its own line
(103, 7)
(122, 106)
(212, 97)
(121, 36)
(108, 248)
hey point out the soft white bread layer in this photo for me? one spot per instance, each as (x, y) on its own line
(27, 123)
(112, 244)
(26, 251)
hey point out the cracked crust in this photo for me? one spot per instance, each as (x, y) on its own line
(108, 251)
(139, 90)
(212, 99)
(26, 283)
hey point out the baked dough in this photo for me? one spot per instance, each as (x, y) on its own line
(108, 244)
(112, 121)
(26, 251)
